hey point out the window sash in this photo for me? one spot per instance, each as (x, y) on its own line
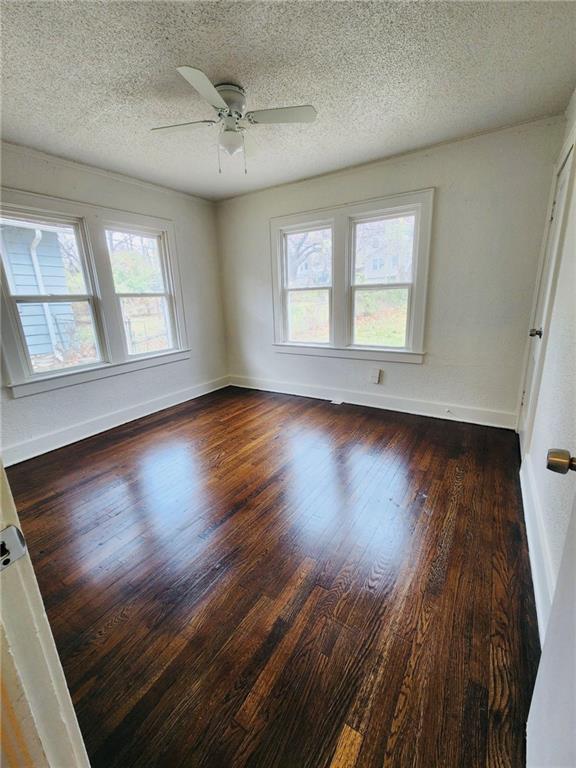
(12, 303)
(50, 220)
(162, 257)
(145, 295)
(284, 255)
(67, 368)
(286, 320)
(381, 287)
(52, 298)
(170, 317)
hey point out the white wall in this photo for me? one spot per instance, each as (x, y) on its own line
(40, 422)
(490, 207)
(489, 214)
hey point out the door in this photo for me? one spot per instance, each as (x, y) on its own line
(552, 720)
(39, 726)
(550, 502)
(546, 283)
(551, 410)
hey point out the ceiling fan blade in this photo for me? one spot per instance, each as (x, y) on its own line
(303, 114)
(179, 126)
(205, 88)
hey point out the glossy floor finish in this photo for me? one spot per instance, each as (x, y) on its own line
(253, 579)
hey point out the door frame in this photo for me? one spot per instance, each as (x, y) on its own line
(41, 728)
(528, 395)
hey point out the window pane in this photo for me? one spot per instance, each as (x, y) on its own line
(41, 258)
(383, 250)
(147, 324)
(309, 316)
(380, 317)
(309, 259)
(59, 335)
(135, 260)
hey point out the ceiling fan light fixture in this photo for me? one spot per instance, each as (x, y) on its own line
(231, 142)
(229, 101)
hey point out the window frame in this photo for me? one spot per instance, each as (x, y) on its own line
(343, 219)
(91, 222)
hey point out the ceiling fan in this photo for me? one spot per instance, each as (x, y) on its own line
(229, 101)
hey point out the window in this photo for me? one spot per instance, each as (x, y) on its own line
(382, 280)
(307, 279)
(50, 289)
(85, 289)
(138, 272)
(353, 285)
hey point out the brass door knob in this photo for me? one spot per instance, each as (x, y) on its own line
(560, 461)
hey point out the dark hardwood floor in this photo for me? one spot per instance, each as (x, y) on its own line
(252, 579)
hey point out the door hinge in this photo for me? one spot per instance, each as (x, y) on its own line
(12, 546)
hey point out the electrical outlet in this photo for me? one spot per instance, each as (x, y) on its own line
(376, 375)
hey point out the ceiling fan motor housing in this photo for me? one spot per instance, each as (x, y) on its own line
(234, 96)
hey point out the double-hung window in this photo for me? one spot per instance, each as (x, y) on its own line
(307, 280)
(51, 291)
(381, 285)
(140, 283)
(87, 292)
(353, 285)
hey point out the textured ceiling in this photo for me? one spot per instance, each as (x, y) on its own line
(86, 80)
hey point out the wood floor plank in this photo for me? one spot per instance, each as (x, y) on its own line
(347, 748)
(264, 581)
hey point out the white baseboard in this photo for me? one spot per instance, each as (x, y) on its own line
(540, 562)
(12, 454)
(506, 419)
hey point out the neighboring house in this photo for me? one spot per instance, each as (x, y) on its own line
(36, 266)
(386, 250)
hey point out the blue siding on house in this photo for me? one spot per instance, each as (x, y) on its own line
(18, 243)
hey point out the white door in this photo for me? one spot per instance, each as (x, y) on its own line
(546, 284)
(550, 506)
(551, 731)
(39, 726)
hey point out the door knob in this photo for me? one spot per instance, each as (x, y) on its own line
(535, 332)
(560, 461)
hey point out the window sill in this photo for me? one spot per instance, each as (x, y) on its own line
(41, 384)
(354, 353)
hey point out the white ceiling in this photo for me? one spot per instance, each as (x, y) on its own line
(86, 80)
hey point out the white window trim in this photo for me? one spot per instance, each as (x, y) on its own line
(92, 221)
(341, 219)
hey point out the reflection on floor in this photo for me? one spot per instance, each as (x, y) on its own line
(253, 579)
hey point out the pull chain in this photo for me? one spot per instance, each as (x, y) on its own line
(219, 162)
(244, 153)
